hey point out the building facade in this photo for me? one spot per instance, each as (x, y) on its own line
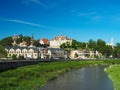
(36, 52)
(83, 54)
(26, 52)
(58, 40)
(56, 53)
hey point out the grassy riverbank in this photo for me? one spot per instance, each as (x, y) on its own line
(114, 74)
(34, 76)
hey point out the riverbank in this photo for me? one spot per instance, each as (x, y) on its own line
(34, 76)
(114, 74)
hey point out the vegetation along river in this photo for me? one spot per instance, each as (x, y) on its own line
(86, 78)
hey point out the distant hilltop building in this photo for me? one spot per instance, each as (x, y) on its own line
(18, 40)
(58, 40)
(14, 38)
(23, 44)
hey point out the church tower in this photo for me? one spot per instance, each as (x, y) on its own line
(32, 41)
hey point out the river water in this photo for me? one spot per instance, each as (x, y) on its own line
(87, 78)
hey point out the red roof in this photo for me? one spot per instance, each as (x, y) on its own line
(46, 41)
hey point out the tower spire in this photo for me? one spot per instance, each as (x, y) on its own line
(32, 40)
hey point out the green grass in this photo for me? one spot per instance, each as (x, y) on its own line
(35, 76)
(114, 74)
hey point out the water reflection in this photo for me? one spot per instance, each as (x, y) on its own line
(88, 78)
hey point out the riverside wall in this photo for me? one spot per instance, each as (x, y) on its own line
(12, 64)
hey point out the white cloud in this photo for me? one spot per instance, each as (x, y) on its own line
(87, 14)
(23, 22)
(91, 15)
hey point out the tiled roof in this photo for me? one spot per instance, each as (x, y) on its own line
(21, 48)
(46, 41)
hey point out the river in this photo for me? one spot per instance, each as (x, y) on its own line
(87, 78)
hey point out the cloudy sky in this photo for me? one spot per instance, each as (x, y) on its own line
(78, 19)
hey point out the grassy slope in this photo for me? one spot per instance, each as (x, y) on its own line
(114, 74)
(34, 76)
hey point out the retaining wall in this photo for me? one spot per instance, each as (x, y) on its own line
(11, 64)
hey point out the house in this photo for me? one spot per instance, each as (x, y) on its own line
(36, 52)
(43, 53)
(44, 41)
(52, 53)
(58, 40)
(57, 53)
(83, 54)
(26, 52)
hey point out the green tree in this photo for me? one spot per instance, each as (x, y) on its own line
(81, 45)
(14, 56)
(3, 52)
(63, 46)
(92, 44)
(101, 45)
(107, 50)
(118, 45)
(116, 52)
(36, 43)
(20, 39)
(27, 39)
(74, 44)
(6, 41)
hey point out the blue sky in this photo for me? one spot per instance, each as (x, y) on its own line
(78, 19)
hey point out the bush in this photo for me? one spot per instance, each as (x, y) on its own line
(14, 56)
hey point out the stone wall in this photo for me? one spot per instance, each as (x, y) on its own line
(12, 64)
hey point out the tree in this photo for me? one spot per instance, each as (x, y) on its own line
(92, 44)
(101, 46)
(74, 44)
(36, 43)
(27, 39)
(116, 52)
(107, 50)
(101, 43)
(81, 45)
(20, 39)
(6, 41)
(14, 56)
(118, 45)
(3, 52)
(63, 45)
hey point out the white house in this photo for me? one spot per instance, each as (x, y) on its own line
(58, 40)
(30, 52)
